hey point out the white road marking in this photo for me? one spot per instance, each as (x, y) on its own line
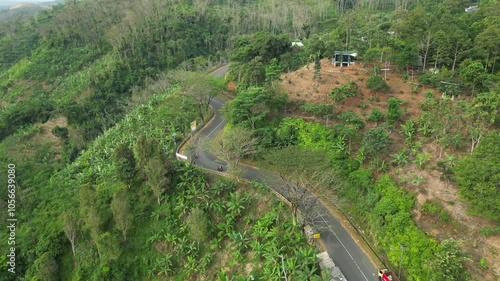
(343, 246)
(221, 122)
(217, 102)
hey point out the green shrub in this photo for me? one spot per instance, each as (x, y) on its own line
(351, 118)
(448, 261)
(489, 231)
(376, 115)
(404, 76)
(320, 110)
(483, 263)
(377, 84)
(376, 141)
(60, 132)
(435, 209)
(393, 110)
(363, 105)
(344, 91)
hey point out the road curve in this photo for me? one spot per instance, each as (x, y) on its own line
(344, 251)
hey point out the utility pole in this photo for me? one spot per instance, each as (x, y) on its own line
(403, 246)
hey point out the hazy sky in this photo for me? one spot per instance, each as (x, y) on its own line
(19, 1)
(8, 2)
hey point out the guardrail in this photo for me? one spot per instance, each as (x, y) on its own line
(183, 157)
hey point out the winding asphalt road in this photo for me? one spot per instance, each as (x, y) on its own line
(345, 253)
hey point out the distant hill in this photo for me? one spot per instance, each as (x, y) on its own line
(9, 9)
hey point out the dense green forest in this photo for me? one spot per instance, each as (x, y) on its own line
(95, 96)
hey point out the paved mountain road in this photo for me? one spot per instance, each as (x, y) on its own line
(345, 253)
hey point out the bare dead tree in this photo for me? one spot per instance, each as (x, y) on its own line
(305, 190)
(71, 228)
(195, 144)
(234, 144)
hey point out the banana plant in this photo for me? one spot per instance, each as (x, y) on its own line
(216, 205)
(240, 240)
(222, 276)
(155, 237)
(421, 159)
(306, 256)
(340, 145)
(408, 129)
(191, 265)
(257, 249)
(165, 265)
(224, 228)
(235, 205)
(400, 158)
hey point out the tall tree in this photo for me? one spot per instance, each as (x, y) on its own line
(425, 45)
(120, 206)
(250, 107)
(304, 190)
(146, 149)
(89, 210)
(201, 88)
(108, 247)
(474, 76)
(234, 144)
(481, 186)
(407, 55)
(443, 48)
(71, 227)
(156, 173)
(273, 71)
(93, 222)
(488, 45)
(255, 73)
(46, 268)
(125, 165)
(315, 47)
(197, 222)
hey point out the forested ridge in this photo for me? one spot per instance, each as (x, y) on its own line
(95, 96)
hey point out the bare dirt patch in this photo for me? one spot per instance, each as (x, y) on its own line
(301, 86)
(51, 124)
(47, 136)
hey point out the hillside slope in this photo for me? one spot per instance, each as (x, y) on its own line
(426, 181)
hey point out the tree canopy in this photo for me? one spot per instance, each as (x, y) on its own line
(478, 176)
